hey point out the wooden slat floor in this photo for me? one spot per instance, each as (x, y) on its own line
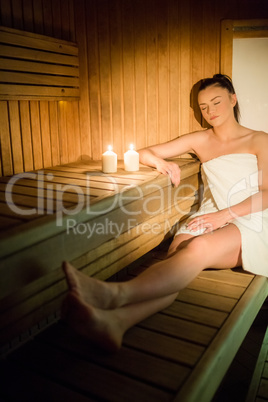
(156, 359)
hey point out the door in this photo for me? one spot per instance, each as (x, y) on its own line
(244, 57)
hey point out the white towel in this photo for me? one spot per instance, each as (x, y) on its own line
(228, 180)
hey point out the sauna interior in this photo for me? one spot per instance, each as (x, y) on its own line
(125, 75)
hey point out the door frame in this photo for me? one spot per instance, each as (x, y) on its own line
(232, 29)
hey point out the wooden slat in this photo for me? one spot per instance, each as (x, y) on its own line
(226, 47)
(36, 135)
(17, 213)
(196, 313)
(45, 133)
(13, 390)
(5, 138)
(32, 67)
(105, 72)
(128, 72)
(229, 277)
(263, 390)
(54, 134)
(175, 327)
(174, 66)
(41, 205)
(219, 289)
(62, 120)
(144, 366)
(30, 78)
(49, 193)
(223, 348)
(26, 135)
(259, 382)
(85, 174)
(10, 91)
(221, 303)
(35, 41)
(163, 346)
(8, 222)
(85, 134)
(116, 76)
(38, 56)
(163, 71)
(74, 146)
(151, 74)
(60, 186)
(185, 64)
(35, 79)
(63, 371)
(16, 136)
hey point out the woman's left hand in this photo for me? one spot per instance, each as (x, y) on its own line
(209, 222)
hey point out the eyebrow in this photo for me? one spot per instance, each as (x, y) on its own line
(218, 96)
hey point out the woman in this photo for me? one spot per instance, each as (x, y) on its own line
(230, 229)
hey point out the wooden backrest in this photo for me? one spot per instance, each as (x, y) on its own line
(37, 67)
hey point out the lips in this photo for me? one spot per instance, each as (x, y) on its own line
(214, 117)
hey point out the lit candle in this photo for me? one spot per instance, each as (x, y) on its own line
(109, 161)
(131, 160)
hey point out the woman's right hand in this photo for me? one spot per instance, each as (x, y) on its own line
(171, 169)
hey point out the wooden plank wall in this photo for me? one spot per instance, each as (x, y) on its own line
(138, 62)
(37, 67)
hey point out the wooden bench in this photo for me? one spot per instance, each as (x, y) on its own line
(100, 222)
(179, 354)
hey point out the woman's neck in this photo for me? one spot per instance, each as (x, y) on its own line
(227, 131)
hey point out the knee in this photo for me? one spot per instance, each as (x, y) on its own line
(195, 244)
(177, 244)
(198, 246)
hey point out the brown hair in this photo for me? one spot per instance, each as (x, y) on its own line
(223, 81)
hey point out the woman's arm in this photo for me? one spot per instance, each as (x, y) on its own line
(255, 203)
(155, 155)
(259, 201)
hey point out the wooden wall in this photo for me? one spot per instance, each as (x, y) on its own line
(138, 62)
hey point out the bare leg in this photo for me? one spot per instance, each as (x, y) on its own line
(219, 249)
(179, 242)
(106, 328)
(101, 294)
(93, 291)
(151, 291)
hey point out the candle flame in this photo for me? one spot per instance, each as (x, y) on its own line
(131, 147)
(110, 147)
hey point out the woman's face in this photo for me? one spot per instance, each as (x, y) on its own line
(216, 105)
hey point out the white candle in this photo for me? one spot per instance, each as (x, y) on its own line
(109, 161)
(131, 160)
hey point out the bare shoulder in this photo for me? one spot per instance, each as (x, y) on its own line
(183, 144)
(260, 141)
(201, 135)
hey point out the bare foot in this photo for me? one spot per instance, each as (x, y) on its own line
(97, 293)
(99, 326)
